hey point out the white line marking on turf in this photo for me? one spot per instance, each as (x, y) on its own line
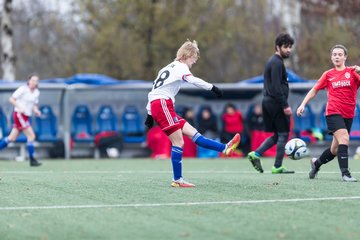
(150, 171)
(124, 172)
(178, 204)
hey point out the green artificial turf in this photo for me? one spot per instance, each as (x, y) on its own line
(132, 199)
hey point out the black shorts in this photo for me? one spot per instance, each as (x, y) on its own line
(336, 122)
(275, 119)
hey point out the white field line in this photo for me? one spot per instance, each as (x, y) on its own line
(137, 205)
(155, 172)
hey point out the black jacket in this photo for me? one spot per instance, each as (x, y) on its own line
(276, 81)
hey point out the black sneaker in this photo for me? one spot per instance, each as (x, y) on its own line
(314, 170)
(34, 162)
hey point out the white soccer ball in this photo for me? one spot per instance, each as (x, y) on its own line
(296, 149)
(112, 152)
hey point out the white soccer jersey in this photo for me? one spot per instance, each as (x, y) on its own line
(26, 99)
(169, 79)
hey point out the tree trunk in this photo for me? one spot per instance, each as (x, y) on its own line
(289, 12)
(8, 57)
(149, 41)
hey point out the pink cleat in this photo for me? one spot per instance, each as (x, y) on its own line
(182, 183)
(232, 145)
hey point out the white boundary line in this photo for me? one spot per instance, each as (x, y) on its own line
(149, 171)
(178, 204)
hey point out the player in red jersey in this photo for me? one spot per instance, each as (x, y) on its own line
(342, 83)
(161, 109)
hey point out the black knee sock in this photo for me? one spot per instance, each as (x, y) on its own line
(343, 159)
(325, 157)
(268, 143)
(280, 149)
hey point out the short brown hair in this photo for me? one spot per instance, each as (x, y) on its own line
(341, 47)
(32, 75)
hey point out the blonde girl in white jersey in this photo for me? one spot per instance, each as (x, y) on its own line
(161, 109)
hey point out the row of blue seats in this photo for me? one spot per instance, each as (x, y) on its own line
(82, 129)
(132, 127)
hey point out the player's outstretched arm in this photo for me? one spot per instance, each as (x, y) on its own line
(310, 95)
(203, 84)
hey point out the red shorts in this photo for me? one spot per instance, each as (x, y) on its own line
(21, 121)
(163, 112)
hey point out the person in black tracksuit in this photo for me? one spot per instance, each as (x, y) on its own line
(276, 110)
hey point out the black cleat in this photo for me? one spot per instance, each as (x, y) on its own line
(34, 162)
(313, 170)
(255, 161)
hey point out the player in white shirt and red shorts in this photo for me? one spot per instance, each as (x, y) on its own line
(25, 100)
(160, 108)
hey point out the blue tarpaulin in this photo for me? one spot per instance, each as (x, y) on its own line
(292, 78)
(91, 79)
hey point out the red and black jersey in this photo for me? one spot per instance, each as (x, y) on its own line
(342, 88)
